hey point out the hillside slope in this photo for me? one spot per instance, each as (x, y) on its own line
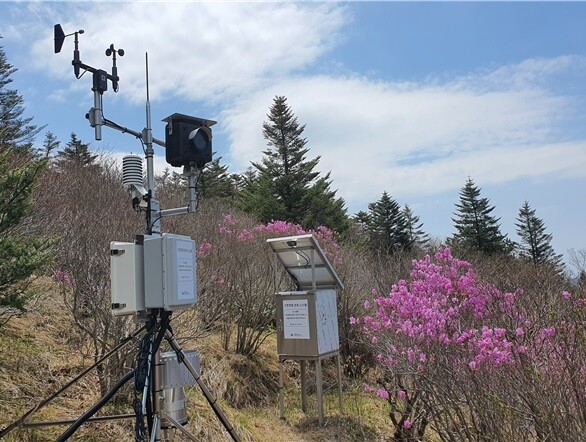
(40, 352)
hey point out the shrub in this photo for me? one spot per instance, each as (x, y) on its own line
(473, 362)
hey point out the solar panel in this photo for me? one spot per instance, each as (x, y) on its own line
(305, 261)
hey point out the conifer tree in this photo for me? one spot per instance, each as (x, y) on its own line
(358, 234)
(323, 208)
(20, 255)
(171, 181)
(50, 144)
(414, 228)
(286, 185)
(216, 182)
(476, 228)
(387, 228)
(535, 244)
(362, 219)
(15, 129)
(76, 153)
(257, 196)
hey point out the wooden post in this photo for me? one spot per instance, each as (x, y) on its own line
(319, 391)
(281, 389)
(303, 364)
(340, 384)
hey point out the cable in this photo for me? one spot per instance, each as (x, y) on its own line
(141, 373)
(142, 145)
(73, 428)
(164, 323)
(154, 222)
(144, 369)
(304, 256)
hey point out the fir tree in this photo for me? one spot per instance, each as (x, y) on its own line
(358, 233)
(216, 182)
(476, 228)
(20, 255)
(50, 144)
(286, 185)
(76, 153)
(387, 228)
(535, 244)
(15, 129)
(323, 208)
(414, 228)
(257, 195)
(362, 219)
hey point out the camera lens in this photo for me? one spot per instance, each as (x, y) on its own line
(198, 139)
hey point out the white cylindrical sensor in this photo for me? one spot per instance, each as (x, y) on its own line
(132, 170)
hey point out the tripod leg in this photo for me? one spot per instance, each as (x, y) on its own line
(206, 392)
(37, 407)
(73, 428)
(156, 422)
(180, 428)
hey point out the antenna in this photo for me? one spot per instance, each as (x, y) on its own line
(146, 56)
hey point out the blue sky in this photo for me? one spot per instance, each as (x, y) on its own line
(405, 97)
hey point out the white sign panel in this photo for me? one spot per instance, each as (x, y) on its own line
(185, 270)
(296, 319)
(327, 321)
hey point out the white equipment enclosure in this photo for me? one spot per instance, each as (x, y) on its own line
(156, 271)
(307, 319)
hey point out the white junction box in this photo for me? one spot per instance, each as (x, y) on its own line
(126, 278)
(169, 272)
(307, 323)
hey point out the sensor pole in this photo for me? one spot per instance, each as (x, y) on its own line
(153, 225)
(96, 112)
(76, 60)
(192, 173)
(148, 135)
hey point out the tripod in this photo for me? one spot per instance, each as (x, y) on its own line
(157, 328)
(157, 414)
(193, 155)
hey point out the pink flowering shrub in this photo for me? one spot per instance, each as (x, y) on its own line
(238, 277)
(454, 352)
(62, 277)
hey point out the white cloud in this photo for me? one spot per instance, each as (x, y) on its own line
(420, 139)
(196, 50)
(411, 139)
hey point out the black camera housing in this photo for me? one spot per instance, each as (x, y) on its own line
(188, 140)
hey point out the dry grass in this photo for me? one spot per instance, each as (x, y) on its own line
(38, 356)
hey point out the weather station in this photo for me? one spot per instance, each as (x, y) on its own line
(151, 277)
(307, 317)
